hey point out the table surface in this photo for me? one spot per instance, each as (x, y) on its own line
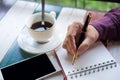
(14, 53)
(19, 54)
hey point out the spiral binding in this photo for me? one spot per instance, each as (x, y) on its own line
(92, 69)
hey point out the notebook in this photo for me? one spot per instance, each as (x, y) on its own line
(95, 64)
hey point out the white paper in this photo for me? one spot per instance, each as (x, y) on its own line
(95, 55)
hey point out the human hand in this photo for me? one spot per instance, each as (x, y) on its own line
(72, 37)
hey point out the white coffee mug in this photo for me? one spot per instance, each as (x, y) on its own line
(45, 35)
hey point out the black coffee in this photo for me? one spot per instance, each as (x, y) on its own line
(39, 27)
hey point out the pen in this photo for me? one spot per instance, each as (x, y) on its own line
(82, 36)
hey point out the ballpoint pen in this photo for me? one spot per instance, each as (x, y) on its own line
(82, 36)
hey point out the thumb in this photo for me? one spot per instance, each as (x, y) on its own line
(90, 38)
(84, 46)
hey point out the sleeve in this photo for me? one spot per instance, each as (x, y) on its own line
(108, 26)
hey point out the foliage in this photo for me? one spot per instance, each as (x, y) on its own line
(88, 4)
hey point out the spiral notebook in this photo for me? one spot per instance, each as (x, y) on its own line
(95, 64)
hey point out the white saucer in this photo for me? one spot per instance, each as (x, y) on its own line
(28, 44)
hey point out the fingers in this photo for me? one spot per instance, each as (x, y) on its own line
(70, 40)
(69, 44)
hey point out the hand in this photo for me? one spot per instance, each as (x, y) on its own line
(72, 36)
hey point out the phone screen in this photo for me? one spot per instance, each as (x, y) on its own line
(30, 69)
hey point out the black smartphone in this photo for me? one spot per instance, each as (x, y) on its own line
(35, 68)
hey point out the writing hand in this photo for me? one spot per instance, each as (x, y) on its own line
(72, 37)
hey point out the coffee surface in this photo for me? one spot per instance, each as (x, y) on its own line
(38, 26)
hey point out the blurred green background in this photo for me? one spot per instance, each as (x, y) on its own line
(87, 4)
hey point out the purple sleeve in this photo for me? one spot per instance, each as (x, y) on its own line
(109, 25)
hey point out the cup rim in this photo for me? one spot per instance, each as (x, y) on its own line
(53, 24)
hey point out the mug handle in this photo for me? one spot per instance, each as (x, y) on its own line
(53, 13)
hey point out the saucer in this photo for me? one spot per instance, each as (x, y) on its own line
(28, 44)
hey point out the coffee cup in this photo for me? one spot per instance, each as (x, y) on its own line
(37, 31)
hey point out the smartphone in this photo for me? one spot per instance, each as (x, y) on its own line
(35, 68)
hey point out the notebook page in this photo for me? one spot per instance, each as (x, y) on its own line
(97, 54)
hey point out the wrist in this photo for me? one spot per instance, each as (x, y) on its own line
(94, 32)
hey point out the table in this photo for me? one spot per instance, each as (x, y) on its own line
(9, 43)
(25, 5)
(11, 48)
(20, 11)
